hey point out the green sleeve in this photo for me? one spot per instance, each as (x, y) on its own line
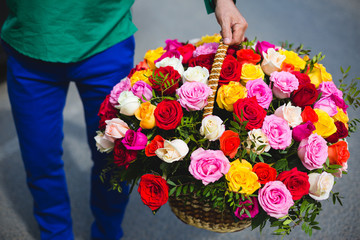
(210, 6)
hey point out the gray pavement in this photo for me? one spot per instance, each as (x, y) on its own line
(329, 26)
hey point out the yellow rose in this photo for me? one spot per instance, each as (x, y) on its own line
(152, 55)
(293, 59)
(341, 116)
(209, 39)
(145, 113)
(241, 176)
(227, 95)
(251, 72)
(325, 126)
(319, 75)
(142, 75)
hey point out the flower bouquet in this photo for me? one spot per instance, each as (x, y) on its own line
(229, 136)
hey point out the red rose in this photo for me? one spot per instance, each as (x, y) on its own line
(302, 77)
(122, 156)
(264, 172)
(187, 52)
(247, 56)
(156, 143)
(248, 109)
(305, 95)
(296, 182)
(308, 114)
(106, 112)
(203, 61)
(162, 80)
(229, 143)
(168, 114)
(232, 50)
(230, 70)
(153, 190)
(341, 132)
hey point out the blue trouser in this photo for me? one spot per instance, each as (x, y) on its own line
(37, 92)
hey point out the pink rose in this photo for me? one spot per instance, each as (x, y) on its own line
(123, 85)
(172, 44)
(277, 131)
(284, 83)
(259, 89)
(206, 48)
(208, 165)
(275, 199)
(193, 95)
(329, 88)
(326, 104)
(141, 89)
(313, 151)
(263, 47)
(303, 131)
(134, 140)
(115, 129)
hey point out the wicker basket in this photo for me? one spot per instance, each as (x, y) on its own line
(199, 214)
(192, 211)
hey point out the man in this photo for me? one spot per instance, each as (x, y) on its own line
(91, 43)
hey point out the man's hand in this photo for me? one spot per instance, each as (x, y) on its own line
(233, 24)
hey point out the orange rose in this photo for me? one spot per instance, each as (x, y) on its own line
(308, 114)
(229, 143)
(338, 153)
(145, 113)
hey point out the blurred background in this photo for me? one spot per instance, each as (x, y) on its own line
(328, 26)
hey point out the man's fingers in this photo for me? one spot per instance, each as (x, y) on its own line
(226, 33)
(238, 32)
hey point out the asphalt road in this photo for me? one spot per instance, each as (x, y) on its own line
(329, 26)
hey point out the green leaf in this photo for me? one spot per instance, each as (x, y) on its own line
(171, 192)
(287, 222)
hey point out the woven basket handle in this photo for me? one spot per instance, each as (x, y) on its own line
(214, 77)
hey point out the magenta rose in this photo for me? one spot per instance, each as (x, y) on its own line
(123, 85)
(172, 44)
(259, 89)
(339, 102)
(275, 199)
(193, 95)
(303, 131)
(134, 140)
(252, 206)
(263, 46)
(208, 165)
(277, 131)
(284, 83)
(169, 54)
(142, 90)
(313, 151)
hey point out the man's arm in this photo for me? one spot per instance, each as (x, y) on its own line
(233, 24)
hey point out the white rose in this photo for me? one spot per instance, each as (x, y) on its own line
(291, 114)
(172, 151)
(128, 103)
(212, 127)
(196, 74)
(102, 143)
(320, 185)
(174, 62)
(340, 171)
(272, 61)
(115, 129)
(257, 141)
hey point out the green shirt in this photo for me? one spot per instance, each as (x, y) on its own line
(67, 30)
